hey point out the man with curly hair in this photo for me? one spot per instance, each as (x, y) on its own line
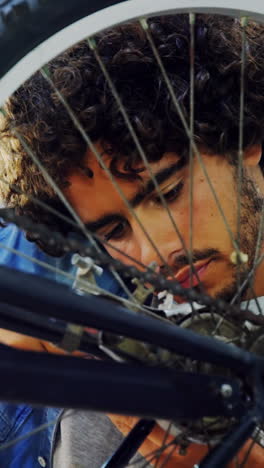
(36, 113)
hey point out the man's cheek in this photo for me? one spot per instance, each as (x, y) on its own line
(186, 218)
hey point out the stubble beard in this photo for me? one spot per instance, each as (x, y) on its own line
(251, 208)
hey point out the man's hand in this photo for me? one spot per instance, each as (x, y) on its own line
(19, 341)
(27, 343)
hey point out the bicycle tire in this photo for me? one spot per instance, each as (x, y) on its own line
(44, 20)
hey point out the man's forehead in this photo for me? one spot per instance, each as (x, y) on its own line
(97, 163)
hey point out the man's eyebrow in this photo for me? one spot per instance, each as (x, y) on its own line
(160, 176)
(147, 189)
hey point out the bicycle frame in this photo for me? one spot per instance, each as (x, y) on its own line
(126, 388)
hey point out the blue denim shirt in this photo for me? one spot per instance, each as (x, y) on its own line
(18, 421)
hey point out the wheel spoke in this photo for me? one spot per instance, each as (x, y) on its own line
(151, 456)
(164, 441)
(249, 451)
(240, 142)
(191, 159)
(169, 456)
(196, 151)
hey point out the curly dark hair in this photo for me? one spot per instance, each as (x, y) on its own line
(36, 112)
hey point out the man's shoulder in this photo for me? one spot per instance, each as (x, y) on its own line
(19, 253)
(16, 250)
(20, 437)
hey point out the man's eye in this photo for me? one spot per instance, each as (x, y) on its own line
(172, 194)
(117, 232)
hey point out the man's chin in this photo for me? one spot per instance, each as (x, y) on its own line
(228, 294)
(225, 293)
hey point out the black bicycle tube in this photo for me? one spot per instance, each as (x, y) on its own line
(122, 388)
(40, 327)
(30, 292)
(130, 445)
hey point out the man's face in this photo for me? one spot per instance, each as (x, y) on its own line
(99, 205)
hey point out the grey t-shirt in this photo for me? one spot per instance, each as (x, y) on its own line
(86, 440)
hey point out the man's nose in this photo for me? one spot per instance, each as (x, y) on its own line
(151, 252)
(161, 247)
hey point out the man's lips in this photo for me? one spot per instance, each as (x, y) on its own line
(187, 278)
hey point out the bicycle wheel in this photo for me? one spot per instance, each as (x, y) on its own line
(137, 106)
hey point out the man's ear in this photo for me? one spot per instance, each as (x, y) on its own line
(252, 155)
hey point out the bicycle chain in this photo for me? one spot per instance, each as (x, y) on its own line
(41, 232)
